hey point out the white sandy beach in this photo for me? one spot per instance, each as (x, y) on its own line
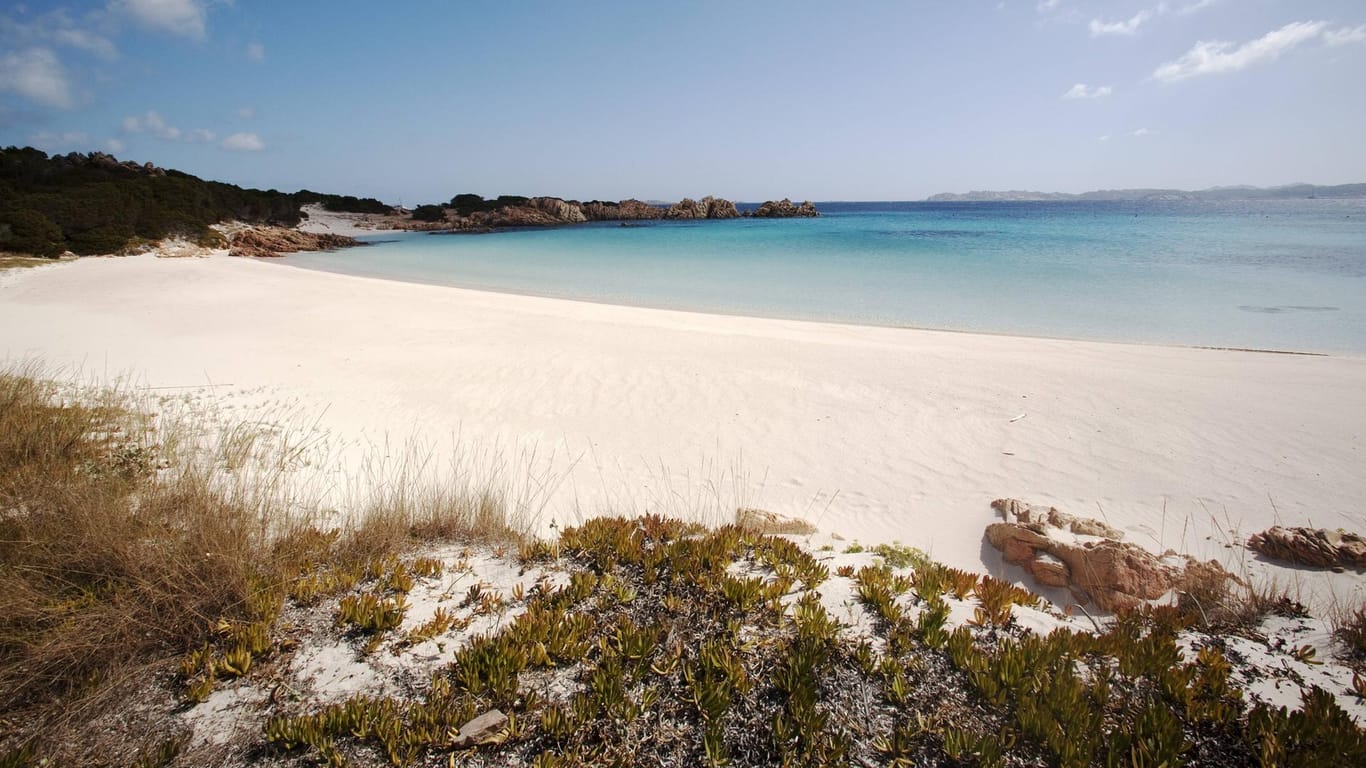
(873, 434)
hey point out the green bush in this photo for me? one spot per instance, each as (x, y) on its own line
(429, 213)
(29, 231)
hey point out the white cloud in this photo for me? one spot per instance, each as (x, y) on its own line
(56, 28)
(1084, 91)
(178, 17)
(53, 142)
(244, 142)
(1127, 27)
(1140, 132)
(1345, 36)
(113, 145)
(86, 41)
(1215, 56)
(152, 123)
(1198, 5)
(256, 52)
(246, 113)
(37, 75)
(1045, 6)
(1105, 137)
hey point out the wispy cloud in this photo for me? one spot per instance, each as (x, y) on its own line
(1139, 132)
(53, 142)
(1345, 36)
(87, 41)
(1084, 91)
(37, 75)
(113, 145)
(244, 142)
(256, 52)
(1215, 56)
(152, 124)
(1045, 6)
(56, 28)
(1195, 7)
(185, 18)
(1127, 27)
(201, 136)
(246, 113)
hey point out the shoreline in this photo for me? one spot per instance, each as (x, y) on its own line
(872, 433)
(283, 260)
(1241, 339)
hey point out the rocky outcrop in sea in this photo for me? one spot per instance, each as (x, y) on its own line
(785, 209)
(707, 208)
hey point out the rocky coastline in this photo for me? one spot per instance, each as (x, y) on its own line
(269, 242)
(470, 213)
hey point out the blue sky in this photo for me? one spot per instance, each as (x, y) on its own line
(416, 101)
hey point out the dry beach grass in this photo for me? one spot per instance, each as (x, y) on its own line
(124, 540)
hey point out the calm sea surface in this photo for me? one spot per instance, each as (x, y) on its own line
(1285, 274)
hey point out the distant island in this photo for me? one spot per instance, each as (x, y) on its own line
(1284, 192)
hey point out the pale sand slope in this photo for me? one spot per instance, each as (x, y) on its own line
(324, 222)
(876, 434)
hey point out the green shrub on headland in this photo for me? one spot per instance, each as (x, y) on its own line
(93, 203)
(429, 213)
(29, 231)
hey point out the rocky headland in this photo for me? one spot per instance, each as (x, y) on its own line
(471, 213)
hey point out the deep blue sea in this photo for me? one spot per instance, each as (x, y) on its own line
(1282, 274)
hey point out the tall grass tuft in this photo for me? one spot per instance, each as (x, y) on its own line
(105, 567)
(124, 545)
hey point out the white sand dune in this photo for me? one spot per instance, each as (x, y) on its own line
(874, 434)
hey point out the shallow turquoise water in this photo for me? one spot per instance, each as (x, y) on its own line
(1287, 275)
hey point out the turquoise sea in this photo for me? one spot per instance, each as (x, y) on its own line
(1276, 274)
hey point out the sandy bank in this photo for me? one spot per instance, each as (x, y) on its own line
(871, 433)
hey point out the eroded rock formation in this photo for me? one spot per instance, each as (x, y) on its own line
(1087, 557)
(277, 241)
(626, 210)
(1315, 547)
(707, 208)
(785, 209)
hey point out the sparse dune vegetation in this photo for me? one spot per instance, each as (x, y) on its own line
(142, 563)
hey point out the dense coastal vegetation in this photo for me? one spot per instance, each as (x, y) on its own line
(94, 204)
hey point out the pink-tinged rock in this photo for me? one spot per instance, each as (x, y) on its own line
(1110, 573)
(1048, 571)
(1120, 567)
(1017, 543)
(1090, 527)
(277, 241)
(1317, 547)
